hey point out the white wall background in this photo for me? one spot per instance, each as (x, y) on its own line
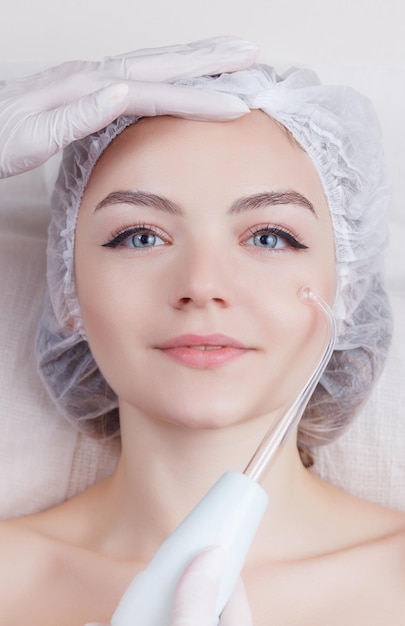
(331, 31)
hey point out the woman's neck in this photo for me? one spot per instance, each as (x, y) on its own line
(166, 469)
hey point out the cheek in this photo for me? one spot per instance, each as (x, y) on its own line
(277, 284)
(297, 340)
(296, 331)
(113, 309)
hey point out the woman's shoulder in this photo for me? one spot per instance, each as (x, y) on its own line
(377, 569)
(392, 550)
(364, 549)
(46, 580)
(354, 520)
(21, 543)
(373, 565)
(26, 566)
(36, 545)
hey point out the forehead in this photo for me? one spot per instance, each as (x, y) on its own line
(186, 160)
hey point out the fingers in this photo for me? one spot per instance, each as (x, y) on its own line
(209, 42)
(237, 612)
(76, 79)
(72, 100)
(93, 112)
(196, 593)
(88, 114)
(163, 99)
(210, 56)
(50, 131)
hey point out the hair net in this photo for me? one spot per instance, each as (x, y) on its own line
(338, 129)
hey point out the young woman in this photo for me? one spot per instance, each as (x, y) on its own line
(176, 252)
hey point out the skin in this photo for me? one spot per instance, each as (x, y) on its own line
(320, 556)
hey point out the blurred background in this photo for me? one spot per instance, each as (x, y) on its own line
(305, 32)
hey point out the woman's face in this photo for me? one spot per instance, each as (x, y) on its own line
(193, 240)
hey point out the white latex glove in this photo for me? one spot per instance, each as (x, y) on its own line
(43, 113)
(196, 594)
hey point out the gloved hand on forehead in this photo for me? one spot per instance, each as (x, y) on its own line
(43, 113)
(196, 594)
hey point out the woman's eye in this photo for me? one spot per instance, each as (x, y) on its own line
(135, 238)
(264, 240)
(274, 239)
(143, 240)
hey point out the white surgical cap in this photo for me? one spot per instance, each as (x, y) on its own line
(338, 129)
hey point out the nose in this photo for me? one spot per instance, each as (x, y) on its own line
(202, 277)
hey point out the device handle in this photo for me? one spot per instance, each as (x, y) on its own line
(228, 516)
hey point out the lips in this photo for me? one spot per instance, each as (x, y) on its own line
(203, 351)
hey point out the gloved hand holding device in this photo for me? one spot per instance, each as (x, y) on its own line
(43, 113)
(196, 595)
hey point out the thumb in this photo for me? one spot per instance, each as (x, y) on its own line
(196, 594)
(237, 611)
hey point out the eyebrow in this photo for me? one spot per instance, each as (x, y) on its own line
(270, 198)
(141, 198)
(246, 203)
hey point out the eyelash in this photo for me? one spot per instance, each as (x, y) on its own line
(291, 240)
(120, 235)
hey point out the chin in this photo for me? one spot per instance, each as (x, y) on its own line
(212, 415)
(205, 421)
(202, 407)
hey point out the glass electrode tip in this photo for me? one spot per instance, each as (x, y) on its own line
(305, 294)
(278, 433)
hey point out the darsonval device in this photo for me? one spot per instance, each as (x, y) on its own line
(228, 515)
